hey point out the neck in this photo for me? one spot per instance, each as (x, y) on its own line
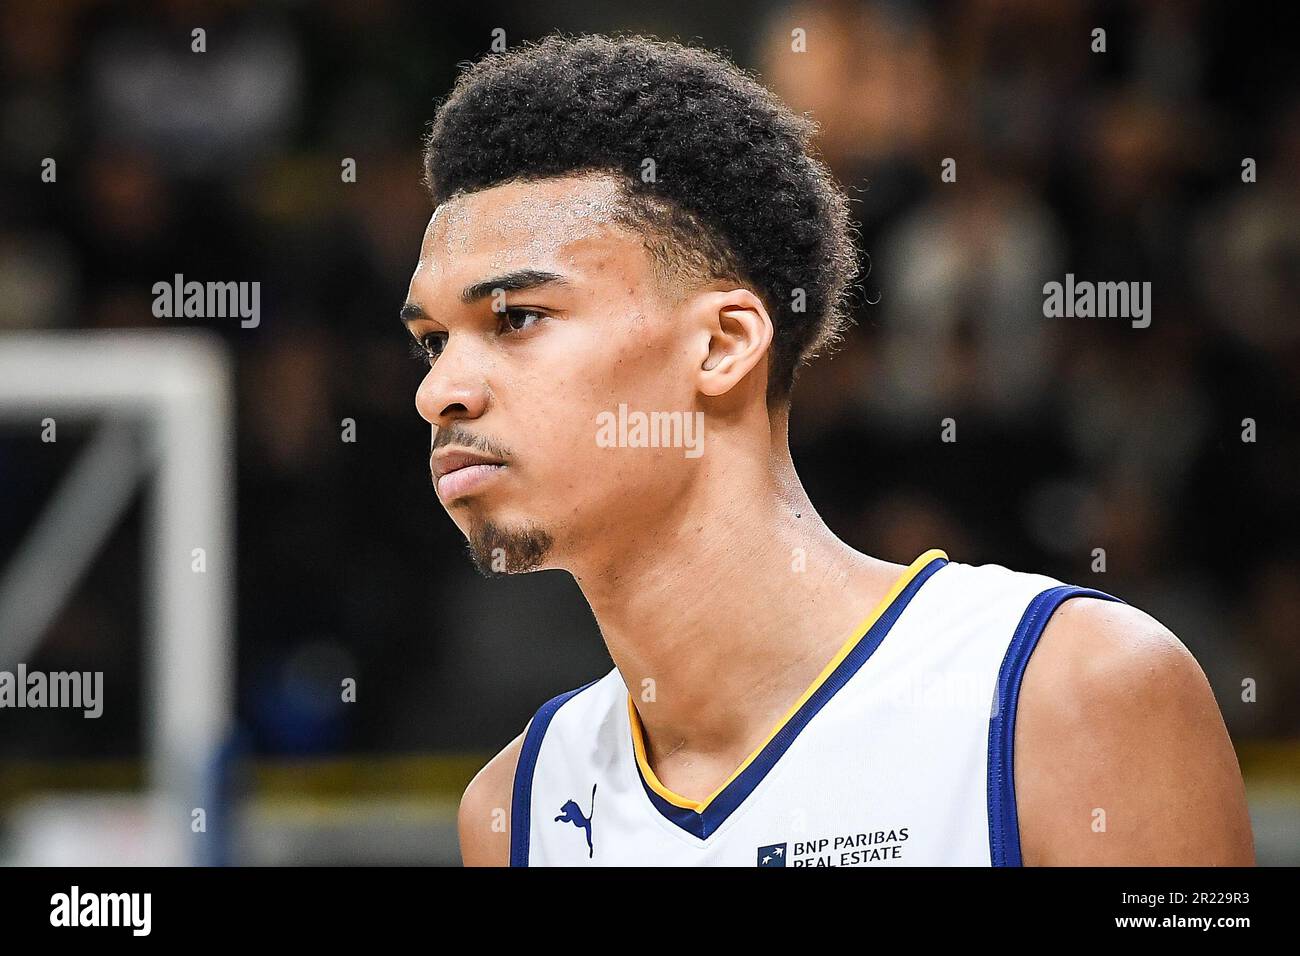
(734, 611)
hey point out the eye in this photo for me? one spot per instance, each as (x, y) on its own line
(518, 319)
(429, 346)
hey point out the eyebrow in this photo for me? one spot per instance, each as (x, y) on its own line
(515, 281)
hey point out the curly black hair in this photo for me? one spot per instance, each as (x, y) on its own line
(737, 192)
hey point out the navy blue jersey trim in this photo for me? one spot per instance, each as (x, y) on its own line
(1004, 829)
(522, 799)
(702, 823)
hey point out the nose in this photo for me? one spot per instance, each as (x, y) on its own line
(451, 391)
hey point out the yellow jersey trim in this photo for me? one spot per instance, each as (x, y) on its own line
(638, 735)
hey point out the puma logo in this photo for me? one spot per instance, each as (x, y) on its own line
(572, 813)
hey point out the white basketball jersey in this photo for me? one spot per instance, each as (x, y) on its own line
(899, 754)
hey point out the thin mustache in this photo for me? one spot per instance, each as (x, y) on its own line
(466, 440)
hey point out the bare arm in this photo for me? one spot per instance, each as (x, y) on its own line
(483, 821)
(1121, 754)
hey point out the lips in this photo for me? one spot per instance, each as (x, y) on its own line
(457, 473)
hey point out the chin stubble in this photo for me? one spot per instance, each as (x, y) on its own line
(497, 551)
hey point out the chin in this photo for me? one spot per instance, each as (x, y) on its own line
(498, 547)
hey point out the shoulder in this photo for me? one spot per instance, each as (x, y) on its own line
(1121, 753)
(483, 821)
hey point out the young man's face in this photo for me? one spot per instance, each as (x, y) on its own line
(523, 389)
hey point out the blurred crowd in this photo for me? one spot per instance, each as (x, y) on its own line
(1073, 434)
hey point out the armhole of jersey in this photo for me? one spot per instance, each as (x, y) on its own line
(1004, 828)
(521, 800)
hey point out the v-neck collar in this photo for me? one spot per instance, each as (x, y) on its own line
(702, 817)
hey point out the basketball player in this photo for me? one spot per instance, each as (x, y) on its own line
(631, 235)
